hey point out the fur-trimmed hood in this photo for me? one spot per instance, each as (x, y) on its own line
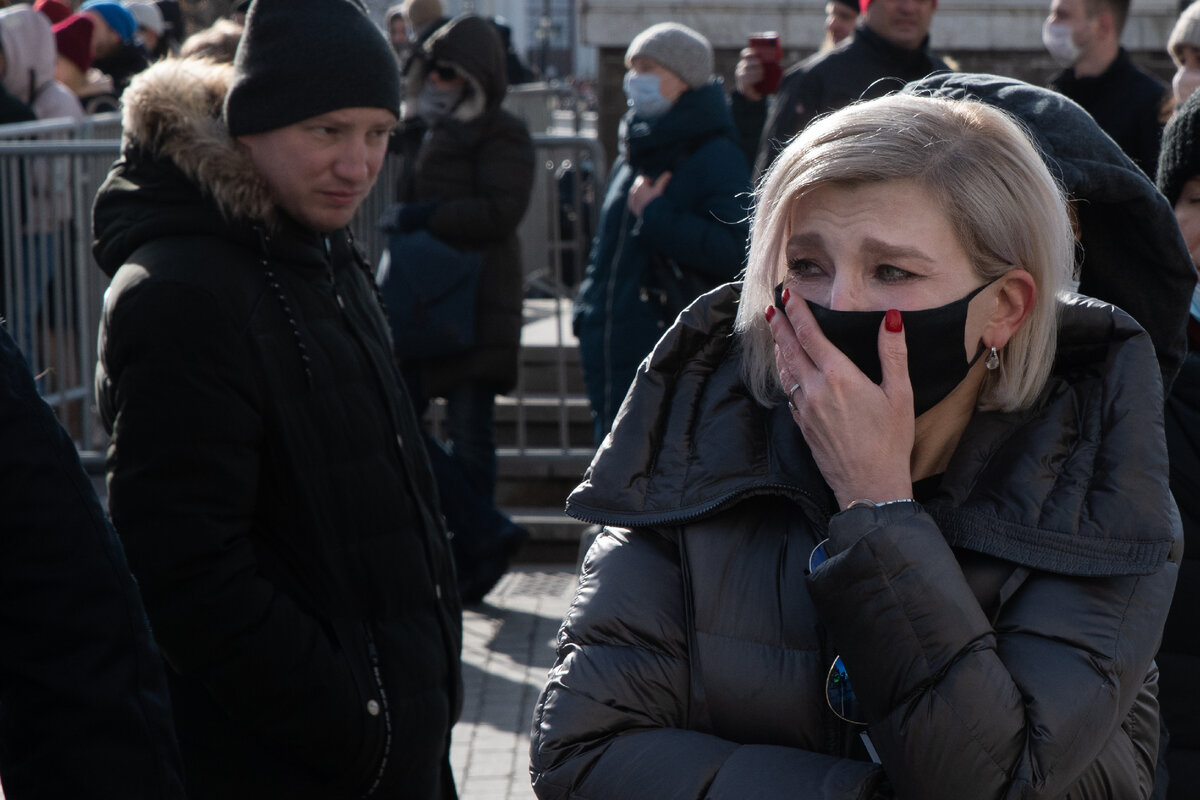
(173, 110)
(471, 45)
(179, 171)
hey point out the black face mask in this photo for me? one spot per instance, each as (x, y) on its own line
(936, 363)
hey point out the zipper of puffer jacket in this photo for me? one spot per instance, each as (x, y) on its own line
(818, 512)
(384, 710)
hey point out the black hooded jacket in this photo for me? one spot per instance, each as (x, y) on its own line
(1130, 250)
(473, 174)
(1000, 635)
(266, 473)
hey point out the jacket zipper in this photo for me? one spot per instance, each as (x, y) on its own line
(384, 711)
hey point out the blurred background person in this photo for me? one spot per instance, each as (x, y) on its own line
(889, 47)
(422, 17)
(172, 16)
(55, 10)
(1179, 658)
(841, 16)
(673, 221)
(1131, 105)
(116, 50)
(466, 178)
(1184, 48)
(150, 27)
(28, 59)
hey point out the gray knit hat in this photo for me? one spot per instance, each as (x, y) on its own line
(302, 58)
(1186, 31)
(678, 48)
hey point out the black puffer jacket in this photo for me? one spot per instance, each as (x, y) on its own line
(475, 172)
(1001, 636)
(266, 474)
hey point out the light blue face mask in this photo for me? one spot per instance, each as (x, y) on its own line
(645, 96)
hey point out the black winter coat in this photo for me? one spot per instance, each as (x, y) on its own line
(1130, 104)
(1179, 657)
(84, 709)
(865, 67)
(266, 474)
(475, 172)
(1000, 635)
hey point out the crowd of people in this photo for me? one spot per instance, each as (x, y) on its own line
(895, 380)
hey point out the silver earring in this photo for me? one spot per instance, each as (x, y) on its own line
(993, 360)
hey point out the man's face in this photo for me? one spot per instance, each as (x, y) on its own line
(839, 21)
(904, 23)
(105, 41)
(1074, 13)
(319, 170)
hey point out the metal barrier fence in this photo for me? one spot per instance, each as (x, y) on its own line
(51, 289)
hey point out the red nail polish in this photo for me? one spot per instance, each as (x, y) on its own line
(784, 297)
(770, 313)
(892, 321)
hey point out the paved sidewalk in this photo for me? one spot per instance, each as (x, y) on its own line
(508, 645)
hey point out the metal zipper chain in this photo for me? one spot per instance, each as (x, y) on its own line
(273, 283)
(384, 710)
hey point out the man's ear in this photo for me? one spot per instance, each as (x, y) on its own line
(1015, 299)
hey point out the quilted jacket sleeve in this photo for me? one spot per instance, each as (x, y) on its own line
(1048, 699)
(613, 719)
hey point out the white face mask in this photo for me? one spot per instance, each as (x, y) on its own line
(1059, 39)
(644, 94)
(1185, 81)
(434, 105)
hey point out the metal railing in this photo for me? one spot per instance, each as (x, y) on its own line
(51, 290)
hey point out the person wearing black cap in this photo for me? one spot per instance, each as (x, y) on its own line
(265, 470)
(1179, 657)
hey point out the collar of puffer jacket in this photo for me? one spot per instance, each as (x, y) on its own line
(1076, 484)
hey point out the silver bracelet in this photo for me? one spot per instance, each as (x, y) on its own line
(865, 503)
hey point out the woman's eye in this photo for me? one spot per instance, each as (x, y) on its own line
(891, 274)
(803, 267)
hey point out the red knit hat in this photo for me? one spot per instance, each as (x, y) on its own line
(56, 10)
(862, 4)
(74, 39)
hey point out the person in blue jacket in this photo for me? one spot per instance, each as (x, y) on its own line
(674, 221)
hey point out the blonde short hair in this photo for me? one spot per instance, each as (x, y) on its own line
(991, 182)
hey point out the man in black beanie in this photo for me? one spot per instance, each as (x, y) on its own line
(265, 471)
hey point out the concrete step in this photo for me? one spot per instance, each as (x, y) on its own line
(538, 477)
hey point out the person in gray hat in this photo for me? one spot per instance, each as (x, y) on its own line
(673, 222)
(265, 471)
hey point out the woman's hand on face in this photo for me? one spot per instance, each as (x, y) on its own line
(860, 433)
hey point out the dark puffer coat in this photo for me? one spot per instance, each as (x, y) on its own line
(476, 171)
(84, 710)
(700, 221)
(1000, 636)
(266, 474)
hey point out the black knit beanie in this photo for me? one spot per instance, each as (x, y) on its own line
(302, 58)
(1179, 158)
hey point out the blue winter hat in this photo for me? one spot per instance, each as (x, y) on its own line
(117, 17)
